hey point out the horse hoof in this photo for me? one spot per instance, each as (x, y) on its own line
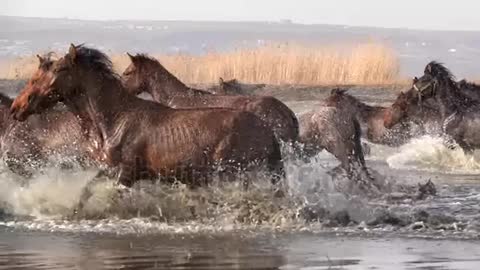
(278, 193)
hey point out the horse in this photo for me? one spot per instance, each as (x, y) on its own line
(370, 117)
(147, 74)
(27, 146)
(338, 131)
(470, 89)
(439, 83)
(142, 139)
(234, 87)
(437, 97)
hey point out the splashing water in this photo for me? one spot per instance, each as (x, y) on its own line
(432, 154)
(312, 203)
(48, 201)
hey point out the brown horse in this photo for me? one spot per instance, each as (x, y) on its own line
(338, 131)
(147, 74)
(334, 130)
(29, 145)
(371, 118)
(142, 138)
(234, 87)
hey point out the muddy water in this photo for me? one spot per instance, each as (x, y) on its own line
(221, 227)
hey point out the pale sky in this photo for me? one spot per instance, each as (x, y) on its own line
(420, 14)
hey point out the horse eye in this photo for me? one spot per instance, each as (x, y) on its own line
(31, 98)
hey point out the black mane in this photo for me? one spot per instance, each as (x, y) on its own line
(466, 84)
(95, 60)
(438, 70)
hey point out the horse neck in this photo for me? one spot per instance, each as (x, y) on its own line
(365, 111)
(99, 107)
(452, 98)
(164, 86)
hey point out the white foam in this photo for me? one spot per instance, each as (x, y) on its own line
(432, 154)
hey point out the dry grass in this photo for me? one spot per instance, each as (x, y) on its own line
(364, 64)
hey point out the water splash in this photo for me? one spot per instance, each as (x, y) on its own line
(433, 154)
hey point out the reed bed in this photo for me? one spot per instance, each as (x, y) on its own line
(362, 64)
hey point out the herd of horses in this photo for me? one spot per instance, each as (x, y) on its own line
(78, 108)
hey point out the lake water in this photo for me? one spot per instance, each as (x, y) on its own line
(222, 227)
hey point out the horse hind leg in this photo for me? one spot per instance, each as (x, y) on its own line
(276, 169)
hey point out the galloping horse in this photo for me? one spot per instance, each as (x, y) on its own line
(234, 87)
(437, 97)
(147, 74)
(371, 118)
(143, 138)
(29, 145)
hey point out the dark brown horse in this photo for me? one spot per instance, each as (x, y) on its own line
(29, 145)
(142, 138)
(371, 118)
(470, 89)
(147, 74)
(437, 93)
(439, 83)
(234, 87)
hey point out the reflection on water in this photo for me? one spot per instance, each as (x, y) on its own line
(266, 251)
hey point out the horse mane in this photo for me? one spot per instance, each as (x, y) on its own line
(96, 61)
(437, 69)
(6, 100)
(143, 58)
(465, 83)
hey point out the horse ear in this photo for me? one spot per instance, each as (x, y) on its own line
(334, 91)
(220, 81)
(40, 59)
(428, 69)
(132, 57)
(72, 53)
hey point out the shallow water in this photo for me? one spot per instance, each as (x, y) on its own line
(221, 227)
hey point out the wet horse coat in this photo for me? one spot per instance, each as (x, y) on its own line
(147, 74)
(143, 138)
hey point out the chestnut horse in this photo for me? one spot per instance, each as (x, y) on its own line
(142, 139)
(147, 74)
(29, 145)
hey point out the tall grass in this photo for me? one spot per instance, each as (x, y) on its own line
(363, 64)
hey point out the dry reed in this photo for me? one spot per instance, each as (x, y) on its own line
(363, 64)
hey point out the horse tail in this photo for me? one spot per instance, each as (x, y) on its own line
(359, 155)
